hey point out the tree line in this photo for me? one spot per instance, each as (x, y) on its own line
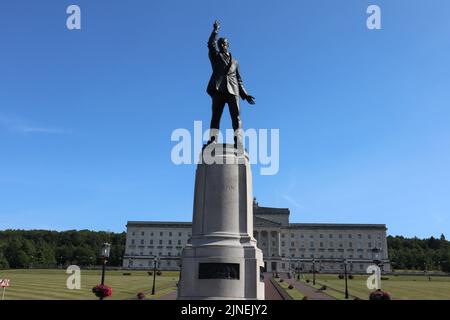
(419, 254)
(41, 248)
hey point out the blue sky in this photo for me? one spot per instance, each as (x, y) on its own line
(86, 116)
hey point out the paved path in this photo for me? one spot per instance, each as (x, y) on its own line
(310, 292)
(271, 292)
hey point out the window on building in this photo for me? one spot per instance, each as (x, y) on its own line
(160, 241)
(179, 242)
(321, 244)
(133, 233)
(321, 236)
(292, 235)
(361, 266)
(282, 243)
(170, 233)
(283, 265)
(350, 244)
(359, 236)
(150, 253)
(330, 235)
(170, 241)
(142, 241)
(340, 236)
(292, 255)
(189, 235)
(151, 241)
(132, 241)
(340, 245)
(282, 235)
(369, 244)
(150, 263)
(151, 234)
(161, 234)
(302, 255)
(179, 234)
(169, 262)
(311, 244)
(292, 244)
(331, 244)
(349, 236)
(169, 253)
(142, 233)
(273, 243)
(360, 256)
(311, 236)
(369, 236)
(141, 253)
(302, 236)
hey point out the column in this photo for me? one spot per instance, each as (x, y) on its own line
(279, 242)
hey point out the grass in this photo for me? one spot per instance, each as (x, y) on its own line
(34, 284)
(294, 293)
(400, 287)
(51, 284)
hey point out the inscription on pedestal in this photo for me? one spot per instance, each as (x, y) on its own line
(218, 271)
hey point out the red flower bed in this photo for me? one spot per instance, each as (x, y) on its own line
(379, 295)
(102, 291)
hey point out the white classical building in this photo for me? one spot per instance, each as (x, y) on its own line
(321, 247)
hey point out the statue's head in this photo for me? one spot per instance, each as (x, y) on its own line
(223, 45)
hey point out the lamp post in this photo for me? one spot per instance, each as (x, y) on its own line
(376, 256)
(314, 272)
(104, 254)
(345, 275)
(155, 260)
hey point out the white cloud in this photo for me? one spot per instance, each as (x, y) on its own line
(291, 201)
(17, 125)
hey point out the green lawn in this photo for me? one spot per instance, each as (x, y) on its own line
(51, 284)
(400, 287)
(294, 293)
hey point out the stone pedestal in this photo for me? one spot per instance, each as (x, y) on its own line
(221, 260)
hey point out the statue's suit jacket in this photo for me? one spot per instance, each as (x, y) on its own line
(223, 71)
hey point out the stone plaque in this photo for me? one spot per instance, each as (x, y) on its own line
(218, 271)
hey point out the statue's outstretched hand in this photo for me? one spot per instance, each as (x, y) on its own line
(250, 99)
(216, 25)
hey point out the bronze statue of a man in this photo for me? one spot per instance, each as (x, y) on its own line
(225, 86)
